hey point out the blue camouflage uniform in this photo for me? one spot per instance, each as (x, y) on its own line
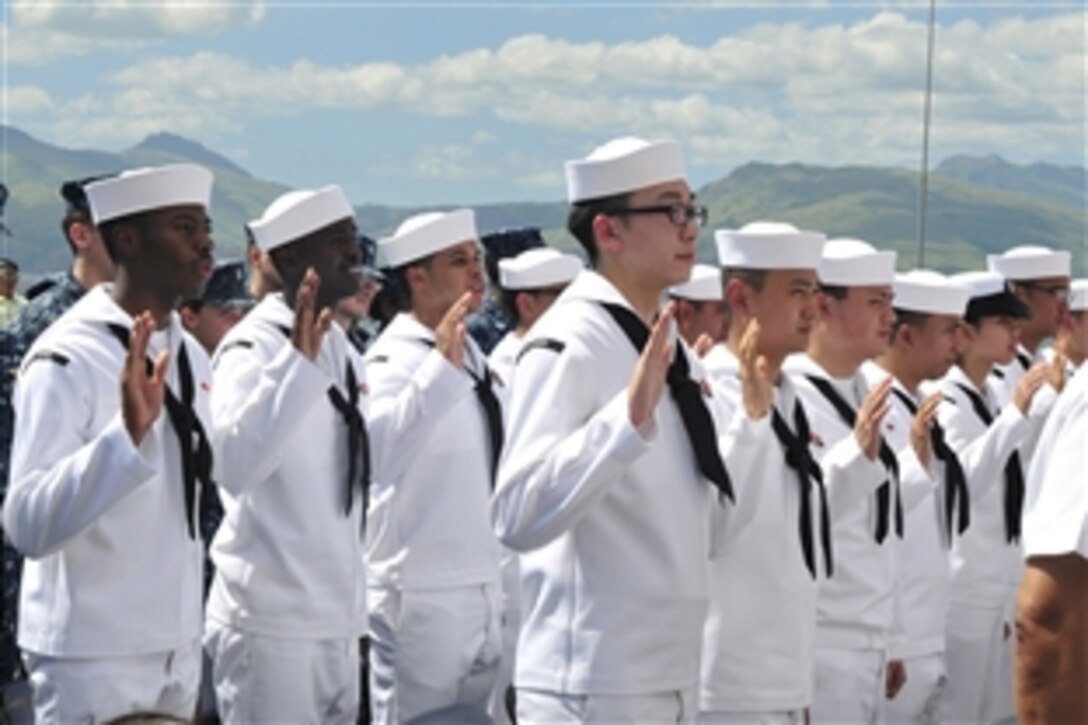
(489, 326)
(38, 314)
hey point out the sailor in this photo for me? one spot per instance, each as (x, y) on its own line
(91, 264)
(1039, 277)
(529, 283)
(758, 642)
(223, 303)
(613, 469)
(702, 316)
(928, 310)
(857, 608)
(984, 560)
(287, 604)
(432, 559)
(491, 323)
(111, 447)
(1071, 341)
(1052, 621)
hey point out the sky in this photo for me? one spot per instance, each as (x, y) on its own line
(416, 103)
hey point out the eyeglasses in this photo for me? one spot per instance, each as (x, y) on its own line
(679, 214)
(1057, 291)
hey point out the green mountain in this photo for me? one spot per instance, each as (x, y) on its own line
(1046, 181)
(976, 205)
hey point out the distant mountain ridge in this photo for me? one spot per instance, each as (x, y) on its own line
(977, 205)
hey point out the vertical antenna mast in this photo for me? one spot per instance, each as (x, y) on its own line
(923, 190)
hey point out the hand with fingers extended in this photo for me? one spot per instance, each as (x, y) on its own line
(310, 325)
(449, 336)
(921, 428)
(703, 344)
(651, 372)
(1029, 385)
(142, 392)
(870, 416)
(1057, 375)
(757, 389)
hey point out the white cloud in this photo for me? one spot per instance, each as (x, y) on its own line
(42, 31)
(27, 99)
(828, 93)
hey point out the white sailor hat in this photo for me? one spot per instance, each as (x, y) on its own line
(538, 268)
(298, 213)
(623, 165)
(769, 245)
(705, 285)
(139, 190)
(926, 291)
(424, 234)
(854, 263)
(1078, 295)
(1030, 262)
(989, 296)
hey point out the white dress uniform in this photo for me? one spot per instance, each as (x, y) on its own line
(922, 570)
(1056, 500)
(111, 589)
(758, 641)
(858, 608)
(503, 360)
(287, 605)
(984, 565)
(432, 558)
(612, 524)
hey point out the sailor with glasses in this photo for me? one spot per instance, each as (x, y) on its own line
(613, 480)
(1040, 278)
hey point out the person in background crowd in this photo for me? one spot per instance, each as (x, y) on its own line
(928, 309)
(985, 559)
(288, 603)
(91, 264)
(352, 313)
(490, 324)
(528, 285)
(224, 302)
(432, 559)
(1039, 277)
(1071, 342)
(702, 315)
(10, 300)
(110, 449)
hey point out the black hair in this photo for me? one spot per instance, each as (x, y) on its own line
(835, 291)
(913, 318)
(581, 216)
(754, 278)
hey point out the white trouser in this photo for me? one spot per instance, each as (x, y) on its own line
(511, 624)
(978, 657)
(100, 689)
(262, 679)
(433, 648)
(849, 686)
(734, 717)
(918, 700)
(539, 706)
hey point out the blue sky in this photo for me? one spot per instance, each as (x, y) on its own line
(413, 103)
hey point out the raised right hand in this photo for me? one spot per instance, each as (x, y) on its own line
(142, 394)
(449, 336)
(1029, 385)
(310, 327)
(648, 379)
(870, 416)
(756, 386)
